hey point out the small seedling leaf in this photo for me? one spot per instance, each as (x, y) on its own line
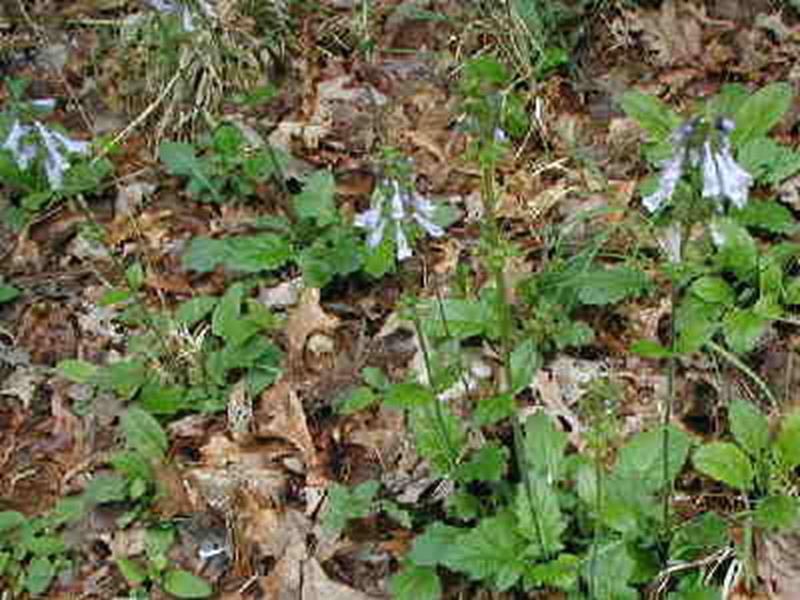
(39, 576)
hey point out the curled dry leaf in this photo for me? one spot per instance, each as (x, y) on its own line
(307, 318)
(280, 414)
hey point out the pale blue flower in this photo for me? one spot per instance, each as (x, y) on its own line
(404, 205)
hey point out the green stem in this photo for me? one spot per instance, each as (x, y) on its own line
(739, 364)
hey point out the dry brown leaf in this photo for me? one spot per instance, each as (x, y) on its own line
(280, 414)
(672, 32)
(307, 318)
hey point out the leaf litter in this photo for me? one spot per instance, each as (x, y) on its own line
(254, 483)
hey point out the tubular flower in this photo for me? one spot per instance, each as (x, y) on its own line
(25, 141)
(403, 205)
(723, 177)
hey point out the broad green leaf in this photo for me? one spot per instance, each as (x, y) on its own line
(134, 275)
(106, 488)
(650, 349)
(431, 548)
(714, 290)
(742, 328)
(544, 447)
(487, 464)
(768, 215)
(697, 322)
(375, 378)
(355, 400)
(78, 371)
(540, 519)
(641, 459)
(725, 462)
(749, 426)
(39, 575)
(144, 433)
(11, 519)
(316, 199)
(462, 318)
(184, 584)
(251, 254)
(610, 285)
(8, 293)
(195, 310)
(46, 545)
(125, 377)
(561, 573)
(494, 408)
(227, 313)
(656, 117)
(180, 159)
(204, 254)
(761, 112)
(696, 538)
(777, 512)
(416, 583)
(787, 444)
(406, 396)
(736, 248)
(439, 436)
(491, 552)
(613, 570)
(525, 361)
(133, 572)
(344, 504)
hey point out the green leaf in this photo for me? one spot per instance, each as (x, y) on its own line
(39, 575)
(184, 584)
(316, 199)
(375, 378)
(494, 408)
(492, 552)
(714, 290)
(355, 400)
(544, 446)
(439, 437)
(561, 573)
(78, 371)
(11, 519)
(610, 285)
(777, 512)
(761, 112)
(641, 459)
(696, 538)
(106, 488)
(144, 433)
(650, 349)
(525, 361)
(408, 396)
(251, 254)
(125, 377)
(487, 464)
(8, 293)
(133, 572)
(227, 314)
(345, 504)
(725, 462)
(697, 322)
(195, 310)
(462, 318)
(749, 426)
(134, 275)
(159, 399)
(431, 548)
(787, 444)
(204, 254)
(540, 519)
(743, 327)
(737, 251)
(656, 117)
(180, 159)
(416, 583)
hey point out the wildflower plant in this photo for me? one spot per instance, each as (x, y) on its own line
(38, 160)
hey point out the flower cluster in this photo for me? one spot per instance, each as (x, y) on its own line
(171, 7)
(403, 205)
(26, 142)
(723, 177)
